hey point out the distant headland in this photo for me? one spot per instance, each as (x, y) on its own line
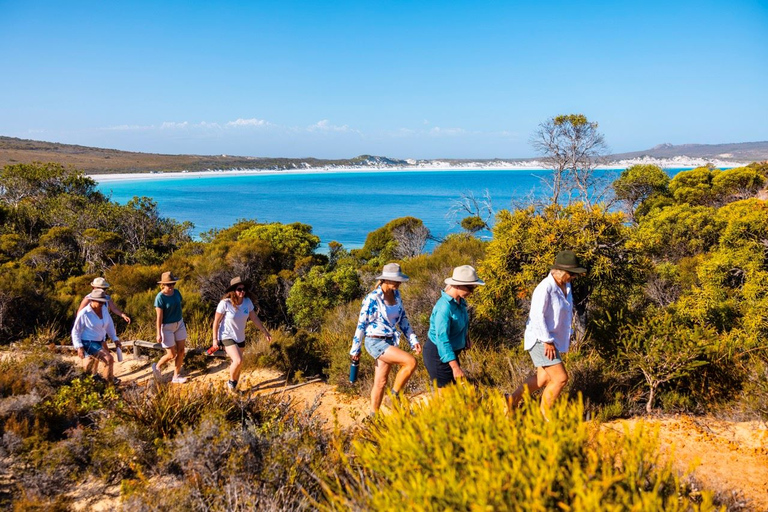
(112, 161)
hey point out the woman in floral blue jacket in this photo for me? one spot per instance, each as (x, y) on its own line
(380, 315)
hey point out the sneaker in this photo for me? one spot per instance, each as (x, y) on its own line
(116, 381)
(178, 379)
(156, 372)
(232, 385)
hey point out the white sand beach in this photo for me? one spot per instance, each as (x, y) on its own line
(434, 165)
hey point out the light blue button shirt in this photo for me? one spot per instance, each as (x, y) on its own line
(551, 315)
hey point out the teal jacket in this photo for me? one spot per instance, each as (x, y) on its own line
(448, 326)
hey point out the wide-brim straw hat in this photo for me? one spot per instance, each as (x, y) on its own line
(567, 260)
(235, 281)
(392, 272)
(99, 282)
(465, 275)
(168, 278)
(97, 295)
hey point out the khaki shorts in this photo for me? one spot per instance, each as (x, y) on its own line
(173, 333)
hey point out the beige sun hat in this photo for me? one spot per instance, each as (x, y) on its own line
(392, 272)
(97, 295)
(465, 275)
(99, 282)
(167, 278)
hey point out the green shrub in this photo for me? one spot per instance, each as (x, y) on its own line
(461, 451)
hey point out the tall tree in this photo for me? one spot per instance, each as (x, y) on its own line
(572, 147)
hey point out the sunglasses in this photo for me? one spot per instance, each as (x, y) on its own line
(239, 289)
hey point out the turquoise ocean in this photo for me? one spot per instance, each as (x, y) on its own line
(343, 206)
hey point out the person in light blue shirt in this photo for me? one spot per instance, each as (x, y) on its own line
(382, 312)
(449, 327)
(548, 331)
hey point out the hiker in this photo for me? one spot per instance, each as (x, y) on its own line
(232, 313)
(382, 312)
(548, 331)
(92, 325)
(171, 332)
(449, 327)
(101, 284)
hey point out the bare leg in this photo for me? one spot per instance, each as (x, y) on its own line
(379, 383)
(558, 378)
(179, 357)
(534, 382)
(170, 355)
(236, 354)
(407, 363)
(106, 357)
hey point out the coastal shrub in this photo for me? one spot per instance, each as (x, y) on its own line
(637, 184)
(320, 290)
(662, 350)
(399, 238)
(462, 451)
(297, 354)
(267, 458)
(754, 400)
(165, 410)
(693, 187)
(76, 403)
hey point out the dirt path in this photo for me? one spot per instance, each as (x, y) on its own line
(731, 457)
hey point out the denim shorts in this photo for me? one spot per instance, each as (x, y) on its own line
(377, 346)
(91, 347)
(540, 359)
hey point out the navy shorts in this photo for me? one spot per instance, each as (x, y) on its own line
(91, 347)
(439, 372)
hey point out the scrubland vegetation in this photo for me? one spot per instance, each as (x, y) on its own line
(672, 317)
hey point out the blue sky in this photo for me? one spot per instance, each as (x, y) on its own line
(427, 79)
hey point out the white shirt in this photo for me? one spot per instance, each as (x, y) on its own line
(88, 326)
(232, 326)
(551, 315)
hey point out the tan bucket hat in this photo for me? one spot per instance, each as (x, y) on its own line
(465, 275)
(392, 272)
(235, 281)
(167, 278)
(99, 282)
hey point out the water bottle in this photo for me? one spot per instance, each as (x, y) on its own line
(119, 355)
(353, 367)
(212, 350)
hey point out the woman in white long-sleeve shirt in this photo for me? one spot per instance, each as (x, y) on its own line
(92, 325)
(548, 331)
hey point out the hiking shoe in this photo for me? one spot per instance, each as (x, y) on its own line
(156, 372)
(115, 381)
(178, 379)
(232, 385)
